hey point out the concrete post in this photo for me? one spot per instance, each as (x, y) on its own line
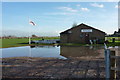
(107, 63)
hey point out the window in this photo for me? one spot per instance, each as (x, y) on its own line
(86, 30)
(69, 31)
(81, 35)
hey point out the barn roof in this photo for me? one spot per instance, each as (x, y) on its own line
(65, 32)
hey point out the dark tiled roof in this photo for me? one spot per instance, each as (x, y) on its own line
(65, 32)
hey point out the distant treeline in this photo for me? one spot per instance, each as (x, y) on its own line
(115, 34)
(14, 37)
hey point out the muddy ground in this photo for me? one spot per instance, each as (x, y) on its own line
(53, 68)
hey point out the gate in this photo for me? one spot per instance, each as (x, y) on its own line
(112, 64)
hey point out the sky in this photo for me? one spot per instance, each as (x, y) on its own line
(51, 18)
(60, 0)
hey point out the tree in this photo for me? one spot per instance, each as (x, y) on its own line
(115, 32)
(74, 24)
(34, 35)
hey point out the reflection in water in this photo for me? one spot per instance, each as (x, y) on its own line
(79, 51)
(43, 46)
(52, 51)
(46, 51)
(32, 51)
(15, 52)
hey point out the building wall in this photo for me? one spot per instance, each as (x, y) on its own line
(76, 36)
(63, 38)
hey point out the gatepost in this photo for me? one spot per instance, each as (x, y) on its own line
(112, 65)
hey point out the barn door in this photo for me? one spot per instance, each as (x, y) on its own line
(87, 38)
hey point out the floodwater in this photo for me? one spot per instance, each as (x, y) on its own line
(82, 51)
(31, 51)
(53, 51)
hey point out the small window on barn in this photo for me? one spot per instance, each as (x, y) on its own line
(86, 30)
(81, 35)
(69, 31)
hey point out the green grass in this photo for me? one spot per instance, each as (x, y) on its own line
(20, 42)
(114, 44)
(117, 39)
(5, 43)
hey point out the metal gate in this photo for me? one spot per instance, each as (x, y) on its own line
(112, 64)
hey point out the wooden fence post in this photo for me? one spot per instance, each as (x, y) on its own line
(112, 65)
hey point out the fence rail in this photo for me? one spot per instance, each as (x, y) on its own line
(116, 69)
(116, 57)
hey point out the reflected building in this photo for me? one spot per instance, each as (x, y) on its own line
(79, 51)
(42, 46)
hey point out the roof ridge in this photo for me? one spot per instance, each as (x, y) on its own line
(80, 25)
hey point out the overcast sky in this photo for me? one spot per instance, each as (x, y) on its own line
(53, 17)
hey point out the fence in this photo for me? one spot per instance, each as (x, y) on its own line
(111, 64)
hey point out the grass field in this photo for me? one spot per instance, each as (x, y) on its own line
(5, 43)
(117, 39)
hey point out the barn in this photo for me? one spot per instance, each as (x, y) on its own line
(82, 34)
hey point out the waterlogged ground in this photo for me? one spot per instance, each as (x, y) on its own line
(54, 68)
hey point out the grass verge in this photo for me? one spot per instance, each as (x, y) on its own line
(21, 42)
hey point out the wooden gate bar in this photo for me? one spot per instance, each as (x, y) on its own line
(112, 65)
(116, 57)
(116, 69)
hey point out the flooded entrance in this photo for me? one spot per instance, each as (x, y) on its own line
(82, 51)
(54, 68)
(53, 51)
